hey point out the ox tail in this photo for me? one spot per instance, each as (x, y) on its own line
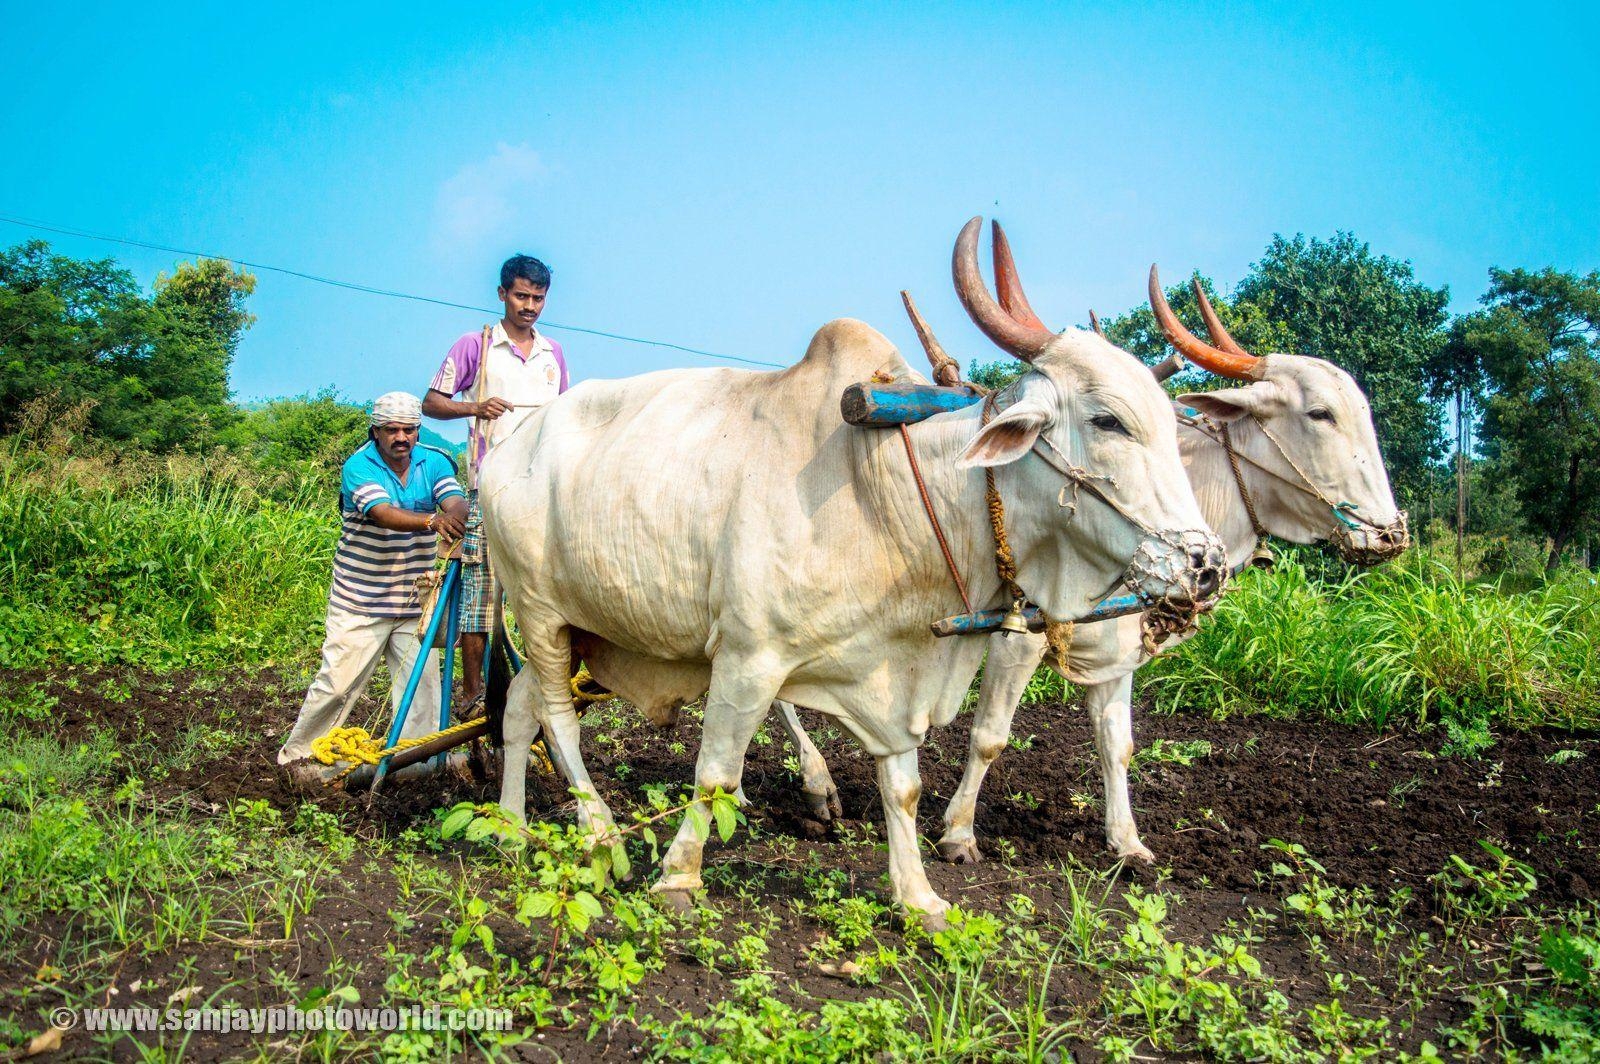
(494, 691)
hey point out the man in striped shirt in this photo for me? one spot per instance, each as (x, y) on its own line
(396, 496)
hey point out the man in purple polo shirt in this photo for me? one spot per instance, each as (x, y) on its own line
(504, 374)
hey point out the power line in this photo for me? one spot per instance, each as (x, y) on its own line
(65, 230)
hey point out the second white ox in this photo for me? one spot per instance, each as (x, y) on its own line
(1305, 467)
(724, 532)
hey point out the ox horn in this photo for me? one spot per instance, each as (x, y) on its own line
(1007, 285)
(1094, 323)
(1223, 363)
(1023, 341)
(946, 370)
(1219, 335)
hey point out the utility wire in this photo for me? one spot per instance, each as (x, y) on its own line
(368, 289)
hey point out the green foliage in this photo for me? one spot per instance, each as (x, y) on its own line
(307, 437)
(1564, 1017)
(1169, 752)
(996, 375)
(1537, 347)
(1478, 892)
(767, 1029)
(1410, 641)
(154, 370)
(159, 562)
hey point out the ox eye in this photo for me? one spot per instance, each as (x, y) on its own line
(1109, 423)
(1320, 414)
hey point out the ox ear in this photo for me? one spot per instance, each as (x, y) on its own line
(1008, 437)
(1231, 404)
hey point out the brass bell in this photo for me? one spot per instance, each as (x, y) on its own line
(1262, 557)
(1014, 621)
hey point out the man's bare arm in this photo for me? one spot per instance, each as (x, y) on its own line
(440, 406)
(451, 520)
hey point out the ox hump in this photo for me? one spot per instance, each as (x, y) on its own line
(845, 352)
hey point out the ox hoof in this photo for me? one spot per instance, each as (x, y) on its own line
(962, 851)
(821, 809)
(1137, 851)
(677, 901)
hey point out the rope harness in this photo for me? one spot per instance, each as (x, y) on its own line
(933, 519)
(1160, 621)
(1383, 541)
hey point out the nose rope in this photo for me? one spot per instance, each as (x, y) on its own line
(1392, 538)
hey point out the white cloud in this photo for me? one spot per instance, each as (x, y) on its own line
(478, 202)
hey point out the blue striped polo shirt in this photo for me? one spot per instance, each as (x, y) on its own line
(375, 569)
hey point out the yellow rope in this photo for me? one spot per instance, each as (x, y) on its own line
(1058, 634)
(593, 693)
(358, 747)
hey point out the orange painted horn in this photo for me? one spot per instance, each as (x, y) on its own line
(1223, 363)
(1094, 323)
(1023, 341)
(1008, 285)
(1219, 335)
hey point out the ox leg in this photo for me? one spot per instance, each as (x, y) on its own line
(1012, 660)
(1111, 713)
(520, 728)
(900, 785)
(540, 699)
(740, 697)
(821, 795)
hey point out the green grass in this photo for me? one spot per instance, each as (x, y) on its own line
(1408, 643)
(157, 562)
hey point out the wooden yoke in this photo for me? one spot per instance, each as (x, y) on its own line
(874, 405)
(885, 404)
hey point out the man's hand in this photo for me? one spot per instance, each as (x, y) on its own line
(450, 525)
(491, 409)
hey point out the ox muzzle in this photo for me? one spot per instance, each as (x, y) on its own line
(1186, 569)
(1367, 545)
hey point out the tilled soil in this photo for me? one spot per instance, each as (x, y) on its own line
(1382, 810)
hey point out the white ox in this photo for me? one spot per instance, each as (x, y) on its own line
(1303, 434)
(724, 532)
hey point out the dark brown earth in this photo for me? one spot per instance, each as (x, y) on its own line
(1381, 810)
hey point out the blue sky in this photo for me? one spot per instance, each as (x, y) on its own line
(732, 176)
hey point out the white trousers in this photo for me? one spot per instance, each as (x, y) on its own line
(350, 656)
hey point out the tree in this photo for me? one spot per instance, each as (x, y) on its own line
(318, 431)
(1535, 343)
(155, 369)
(1369, 315)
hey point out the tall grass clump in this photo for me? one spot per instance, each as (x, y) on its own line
(155, 561)
(1410, 642)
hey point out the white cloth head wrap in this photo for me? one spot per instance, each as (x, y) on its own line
(396, 408)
